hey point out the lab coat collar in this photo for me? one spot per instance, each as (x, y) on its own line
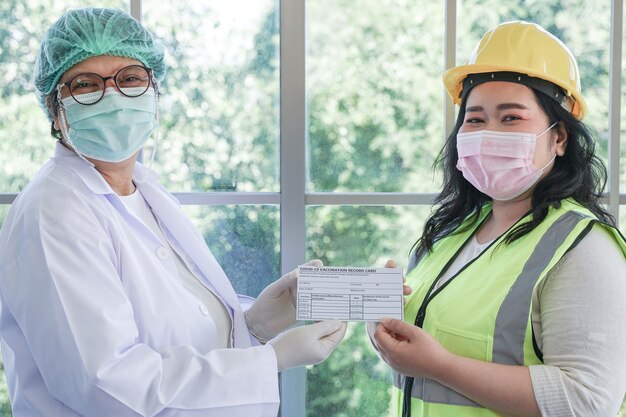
(91, 177)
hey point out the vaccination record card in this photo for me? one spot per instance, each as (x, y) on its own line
(349, 293)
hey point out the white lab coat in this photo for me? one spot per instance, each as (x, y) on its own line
(94, 320)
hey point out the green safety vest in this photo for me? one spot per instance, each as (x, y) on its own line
(483, 312)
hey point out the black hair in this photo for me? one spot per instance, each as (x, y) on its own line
(578, 174)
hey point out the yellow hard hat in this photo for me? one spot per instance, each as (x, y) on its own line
(525, 49)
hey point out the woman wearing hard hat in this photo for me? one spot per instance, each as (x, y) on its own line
(519, 277)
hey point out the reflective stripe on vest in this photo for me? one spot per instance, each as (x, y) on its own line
(508, 338)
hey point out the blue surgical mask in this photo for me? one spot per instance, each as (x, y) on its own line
(113, 129)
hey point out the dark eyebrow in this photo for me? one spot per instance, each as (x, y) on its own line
(506, 106)
(503, 106)
(73, 73)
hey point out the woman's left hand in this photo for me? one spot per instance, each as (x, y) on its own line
(409, 350)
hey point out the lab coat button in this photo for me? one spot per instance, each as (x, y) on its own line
(162, 253)
(204, 310)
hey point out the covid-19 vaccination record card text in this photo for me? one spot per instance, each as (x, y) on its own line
(349, 293)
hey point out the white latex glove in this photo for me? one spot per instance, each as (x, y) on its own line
(275, 308)
(307, 345)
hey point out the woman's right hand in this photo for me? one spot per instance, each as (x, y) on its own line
(307, 345)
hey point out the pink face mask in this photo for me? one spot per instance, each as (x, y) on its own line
(499, 164)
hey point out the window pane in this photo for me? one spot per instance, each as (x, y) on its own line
(375, 96)
(25, 141)
(622, 219)
(5, 402)
(563, 19)
(244, 240)
(353, 382)
(219, 103)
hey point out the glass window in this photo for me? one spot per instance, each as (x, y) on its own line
(353, 382)
(244, 240)
(219, 103)
(374, 94)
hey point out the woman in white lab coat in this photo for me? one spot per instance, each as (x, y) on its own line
(111, 302)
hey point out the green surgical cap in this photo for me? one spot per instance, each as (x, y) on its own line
(82, 33)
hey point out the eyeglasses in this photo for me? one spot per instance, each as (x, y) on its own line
(88, 88)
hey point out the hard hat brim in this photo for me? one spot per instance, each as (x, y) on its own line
(453, 81)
